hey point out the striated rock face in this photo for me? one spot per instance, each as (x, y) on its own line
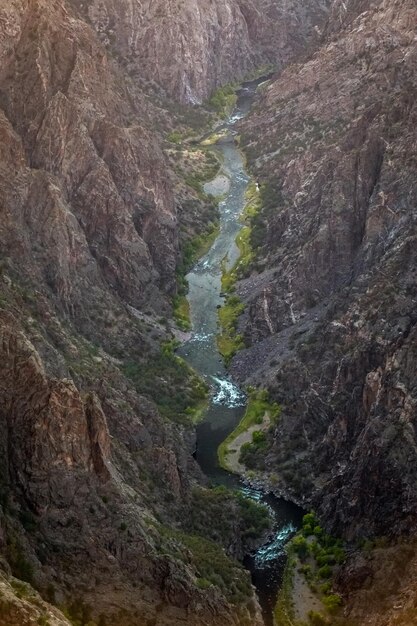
(331, 320)
(93, 481)
(191, 47)
(51, 432)
(88, 181)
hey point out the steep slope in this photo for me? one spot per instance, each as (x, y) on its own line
(20, 605)
(331, 317)
(191, 47)
(71, 131)
(95, 480)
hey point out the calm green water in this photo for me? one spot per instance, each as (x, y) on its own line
(228, 402)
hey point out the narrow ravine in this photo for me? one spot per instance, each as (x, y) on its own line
(227, 404)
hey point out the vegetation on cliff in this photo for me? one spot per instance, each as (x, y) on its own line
(217, 527)
(211, 565)
(157, 377)
(223, 100)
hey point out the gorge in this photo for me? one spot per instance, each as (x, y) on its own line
(111, 511)
(228, 402)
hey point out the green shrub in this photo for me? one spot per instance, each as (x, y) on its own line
(300, 546)
(259, 438)
(339, 555)
(223, 100)
(309, 521)
(317, 619)
(325, 571)
(332, 602)
(325, 588)
(317, 531)
(252, 453)
(306, 571)
(167, 379)
(325, 559)
(251, 456)
(181, 312)
(307, 530)
(175, 137)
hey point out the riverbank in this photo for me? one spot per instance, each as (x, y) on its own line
(229, 459)
(296, 601)
(258, 417)
(227, 406)
(219, 186)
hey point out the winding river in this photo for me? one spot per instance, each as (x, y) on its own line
(227, 404)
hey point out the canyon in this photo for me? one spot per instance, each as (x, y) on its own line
(330, 324)
(336, 284)
(97, 474)
(98, 484)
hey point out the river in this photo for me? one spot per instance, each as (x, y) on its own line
(227, 403)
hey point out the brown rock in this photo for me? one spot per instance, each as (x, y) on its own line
(331, 318)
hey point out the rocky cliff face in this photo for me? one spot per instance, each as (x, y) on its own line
(191, 47)
(331, 317)
(331, 324)
(331, 320)
(88, 178)
(89, 233)
(93, 480)
(380, 585)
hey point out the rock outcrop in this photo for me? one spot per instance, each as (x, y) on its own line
(87, 177)
(94, 480)
(191, 47)
(92, 483)
(331, 317)
(21, 605)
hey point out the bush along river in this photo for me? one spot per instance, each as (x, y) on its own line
(228, 402)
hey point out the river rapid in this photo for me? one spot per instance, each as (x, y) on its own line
(227, 401)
